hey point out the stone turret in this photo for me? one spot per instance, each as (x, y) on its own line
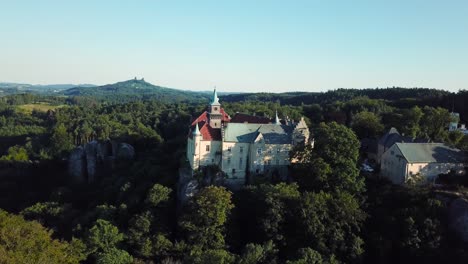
(215, 115)
(197, 137)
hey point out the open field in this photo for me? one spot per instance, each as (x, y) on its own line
(43, 107)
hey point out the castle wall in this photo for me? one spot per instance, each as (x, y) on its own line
(257, 152)
(430, 171)
(190, 152)
(238, 160)
(210, 153)
(201, 155)
(393, 166)
(266, 156)
(398, 170)
(235, 159)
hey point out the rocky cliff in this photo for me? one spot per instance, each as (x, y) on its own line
(86, 162)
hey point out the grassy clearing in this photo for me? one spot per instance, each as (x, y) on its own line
(43, 107)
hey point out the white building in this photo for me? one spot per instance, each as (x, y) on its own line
(404, 160)
(244, 145)
(454, 126)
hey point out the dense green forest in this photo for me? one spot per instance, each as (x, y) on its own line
(328, 213)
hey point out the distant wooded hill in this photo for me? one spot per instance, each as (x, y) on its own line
(138, 89)
(135, 90)
(395, 96)
(298, 98)
(17, 88)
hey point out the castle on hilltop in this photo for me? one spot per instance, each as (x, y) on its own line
(244, 145)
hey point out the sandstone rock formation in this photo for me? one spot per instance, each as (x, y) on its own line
(85, 161)
(76, 165)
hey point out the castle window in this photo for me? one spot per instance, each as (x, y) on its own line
(278, 150)
(233, 171)
(268, 162)
(216, 108)
(229, 148)
(240, 163)
(207, 147)
(269, 151)
(259, 151)
(241, 149)
(229, 160)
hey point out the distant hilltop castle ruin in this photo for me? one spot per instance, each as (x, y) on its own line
(243, 145)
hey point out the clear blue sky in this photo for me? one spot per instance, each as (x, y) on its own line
(237, 45)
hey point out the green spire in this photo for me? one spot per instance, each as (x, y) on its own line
(196, 132)
(215, 100)
(277, 121)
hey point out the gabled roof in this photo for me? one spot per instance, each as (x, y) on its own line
(392, 137)
(207, 132)
(204, 117)
(240, 132)
(430, 153)
(247, 133)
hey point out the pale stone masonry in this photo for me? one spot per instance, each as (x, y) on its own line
(247, 145)
(405, 160)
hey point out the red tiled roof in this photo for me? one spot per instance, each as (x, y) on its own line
(244, 118)
(202, 117)
(207, 132)
(226, 117)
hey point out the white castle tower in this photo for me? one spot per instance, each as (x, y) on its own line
(197, 137)
(215, 115)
